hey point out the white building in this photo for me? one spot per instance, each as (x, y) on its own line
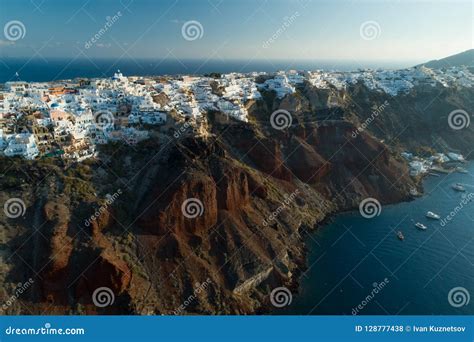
(22, 144)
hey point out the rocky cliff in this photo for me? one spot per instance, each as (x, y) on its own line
(209, 223)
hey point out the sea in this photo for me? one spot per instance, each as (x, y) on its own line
(358, 266)
(39, 69)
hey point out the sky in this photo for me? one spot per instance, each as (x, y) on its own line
(367, 30)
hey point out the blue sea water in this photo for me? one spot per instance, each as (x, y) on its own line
(351, 254)
(50, 69)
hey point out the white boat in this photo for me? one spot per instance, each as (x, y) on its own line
(459, 187)
(421, 226)
(432, 215)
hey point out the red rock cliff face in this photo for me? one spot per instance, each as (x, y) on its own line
(362, 166)
(225, 243)
(307, 164)
(69, 273)
(55, 270)
(164, 213)
(255, 193)
(231, 243)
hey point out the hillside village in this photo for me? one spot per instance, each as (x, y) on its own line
(70, 118)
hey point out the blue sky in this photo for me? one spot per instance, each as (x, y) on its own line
(241, 29)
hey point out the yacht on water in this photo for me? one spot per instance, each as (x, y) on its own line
(459, 187)
(420, 226)
(432, 215)
(400, 235)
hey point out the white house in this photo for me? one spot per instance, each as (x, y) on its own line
(22, 144)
